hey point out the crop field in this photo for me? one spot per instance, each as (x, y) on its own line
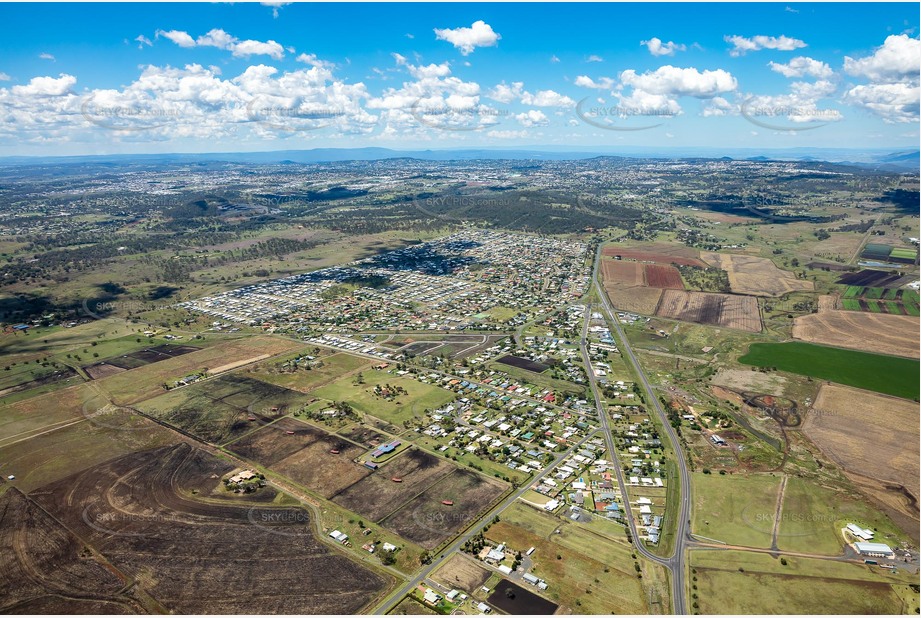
(219, 410)
(333, 367)
(870, 277)
(148, 381)
(879, 333)
(890, 375)
(304, 455)
(404, 407)
(642, 300)
(660, 253)
(662, 276)
(732, 582)
(426, 521)
(880, 300)
(855, 429)
(462, 573)
(377, 495)
(756, 276)
(45, 569)
(627, 274)
(728, 310)
(876, 251)
(136, 511)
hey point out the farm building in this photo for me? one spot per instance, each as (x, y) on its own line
(860, 533)
(483, 607)
(340, 537)
(385, 448)
(873, 549)
(507, 570)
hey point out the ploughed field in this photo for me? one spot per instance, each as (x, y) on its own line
(728, 310)
(204, 557)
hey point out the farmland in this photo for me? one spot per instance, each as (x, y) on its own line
(659, 253)
(854, 429)
(377, 495)
(219, 410)
(304, 456)
(662, 276)
(461, 572)
(877, 300)
(730, 311)
(879, 333)
(890, 375)
(134, 510)
(428, 522)
(327, 369)
(395, 411)
(739, 510)
(755, 275)
(731, 582)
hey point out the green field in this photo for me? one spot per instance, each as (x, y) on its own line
(893, 308)
(402, 408)
(876, 372)
(904, 253)
(813, 516)
(874, 307)
(891, 294)
(852, 291)
(851, 304)
(911, 309)
(873, 292)
(733, 582)
(332, 368)
(737, 509)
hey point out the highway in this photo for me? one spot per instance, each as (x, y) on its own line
(675, 562)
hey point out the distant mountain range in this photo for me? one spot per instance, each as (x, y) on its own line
(878, 159)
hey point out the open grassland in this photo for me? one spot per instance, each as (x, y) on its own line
(579, 582)
(880, 333)
(332, 368)
(736, 509)
(733, 582)
(640, 300)
(661, 253)
(224, 408)
(755, 275)
(139, 511)
(813, 516)
(401, 408)
(727, 310)
(884, 374)
(148, 381)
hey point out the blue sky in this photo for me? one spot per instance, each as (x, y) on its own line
(136, 78)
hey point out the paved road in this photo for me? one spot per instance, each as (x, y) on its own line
(675, 562)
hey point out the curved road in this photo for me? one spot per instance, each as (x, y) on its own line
(675, 562)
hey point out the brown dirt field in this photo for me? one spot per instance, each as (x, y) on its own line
(661, 254)
(827, 302)
(424, 520)
(730, 311)
(626, 274)
(751, 381)
(462, 573)
(641, 300)
(871, 332)
(376, 496)
(40, 559)
(756, 275)
(661, 276)
(855, 428)
(201, 557)
(102, 370)
(305, 456)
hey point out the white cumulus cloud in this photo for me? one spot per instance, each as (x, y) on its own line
(657, 48)
(479, 34)
(802, 66)
(741, 44)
